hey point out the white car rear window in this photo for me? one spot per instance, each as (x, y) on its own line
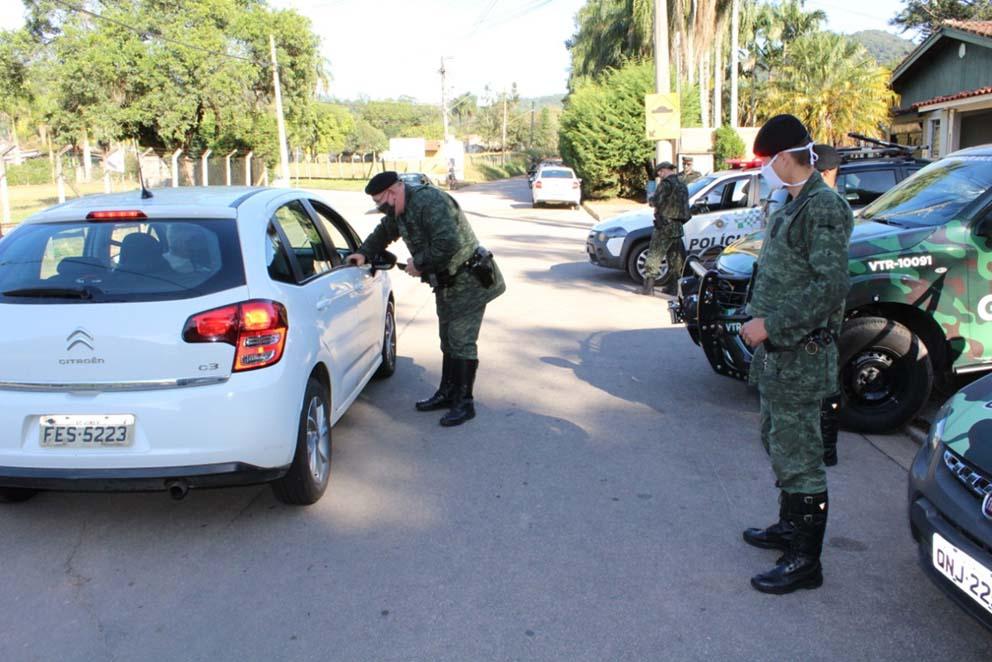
(94, 262)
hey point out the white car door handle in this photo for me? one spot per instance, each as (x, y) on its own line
(324, 304)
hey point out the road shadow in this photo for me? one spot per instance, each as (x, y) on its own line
(673, 376)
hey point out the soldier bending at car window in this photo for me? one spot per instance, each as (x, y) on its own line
(445, 253)
(671, 212)
(797, 307)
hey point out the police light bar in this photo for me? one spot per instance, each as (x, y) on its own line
(743, 164)
(115, 215)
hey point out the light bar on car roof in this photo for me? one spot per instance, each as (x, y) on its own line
(741, 163)
(115, 215)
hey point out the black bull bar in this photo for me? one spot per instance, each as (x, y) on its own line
(711, 305)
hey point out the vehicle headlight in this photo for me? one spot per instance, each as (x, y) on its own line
(612, 233)
(937, 429)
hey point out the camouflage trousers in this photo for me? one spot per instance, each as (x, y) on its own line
(665, 241)
(790, 433)
(460, 335)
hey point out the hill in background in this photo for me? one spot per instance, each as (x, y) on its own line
(887, 49)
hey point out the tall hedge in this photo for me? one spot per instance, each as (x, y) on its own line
(602, 134)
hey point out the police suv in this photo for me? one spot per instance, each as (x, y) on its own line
(725, 206)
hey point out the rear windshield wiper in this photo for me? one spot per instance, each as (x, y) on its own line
(84, 293)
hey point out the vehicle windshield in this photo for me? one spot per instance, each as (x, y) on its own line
(98, 262)
(933, 195)
(699, 185)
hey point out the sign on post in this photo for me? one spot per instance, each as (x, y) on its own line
(663, 116)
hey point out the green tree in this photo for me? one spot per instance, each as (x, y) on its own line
(365, 138)
(191, 74)
(602, 131)
(16, 95)
(926, 16)
(833, 85)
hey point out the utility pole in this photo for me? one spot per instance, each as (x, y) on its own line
(444, 100)
(735, 28)
(532, 124)
(280, 122)
(503, 142)
(662, 78)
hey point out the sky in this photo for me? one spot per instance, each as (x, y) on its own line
(389, 48)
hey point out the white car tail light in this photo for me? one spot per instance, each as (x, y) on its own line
(257, 330)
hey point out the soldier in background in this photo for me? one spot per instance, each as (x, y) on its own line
(671, 212)
(688, 175)
(445, 253)
(797, 308)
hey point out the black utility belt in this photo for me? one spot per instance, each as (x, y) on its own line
(815, 340)
(480, 265)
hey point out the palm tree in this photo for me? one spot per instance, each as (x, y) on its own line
(833, 85)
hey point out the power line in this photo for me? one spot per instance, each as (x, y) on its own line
(151, 33)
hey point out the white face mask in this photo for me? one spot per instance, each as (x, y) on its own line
(774, 181)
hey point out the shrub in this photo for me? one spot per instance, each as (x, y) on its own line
(32, 171)
(727, 144)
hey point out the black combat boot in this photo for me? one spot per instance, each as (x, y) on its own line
(800, 566)
(462, 400)
(442, 397)
(648, 287)
(829, 415)
(776, 536)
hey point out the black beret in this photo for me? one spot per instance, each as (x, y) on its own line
(381, 182)
(665, 165)
(827, 158)
(779, 133)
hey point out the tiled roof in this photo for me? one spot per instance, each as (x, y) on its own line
(954, 97)
(983, 28)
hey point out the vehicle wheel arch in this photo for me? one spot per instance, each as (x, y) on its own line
(321, 373)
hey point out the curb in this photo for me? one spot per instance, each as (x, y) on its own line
(589, 210)
(915, 432)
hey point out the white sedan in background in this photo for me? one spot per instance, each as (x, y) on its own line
(556, 184)
(197, 338)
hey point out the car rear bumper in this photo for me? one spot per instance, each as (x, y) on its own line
(938, 504)
(138, 480)
(251, 419)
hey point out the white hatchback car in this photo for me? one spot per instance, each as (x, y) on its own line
(202, 337)
(556, 184)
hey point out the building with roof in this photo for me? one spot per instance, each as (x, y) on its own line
(945, 89)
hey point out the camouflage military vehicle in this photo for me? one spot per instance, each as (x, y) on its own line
(920, 304)
(950, 500)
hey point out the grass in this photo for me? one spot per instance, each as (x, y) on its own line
(28, 199)
(332, 184)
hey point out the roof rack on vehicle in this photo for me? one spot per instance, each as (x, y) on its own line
(873, 148)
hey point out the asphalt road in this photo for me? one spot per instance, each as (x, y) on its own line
(592, 511)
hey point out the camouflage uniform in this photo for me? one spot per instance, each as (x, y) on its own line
(671, 211)
(440, 240)
(800, 286)
(689, 175)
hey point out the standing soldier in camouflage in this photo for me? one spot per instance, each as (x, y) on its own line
(445, 253)
(688, 175)
(797, 307)
(671, 212)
